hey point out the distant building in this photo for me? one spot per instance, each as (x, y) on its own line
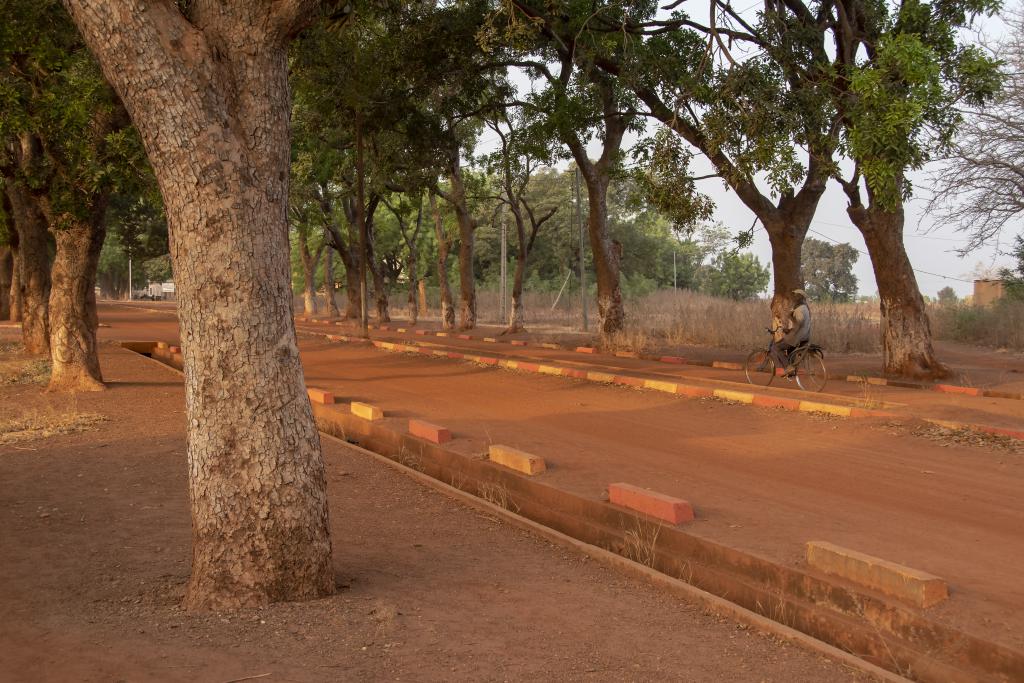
(987, 292)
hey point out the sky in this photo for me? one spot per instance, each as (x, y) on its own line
(932, 251)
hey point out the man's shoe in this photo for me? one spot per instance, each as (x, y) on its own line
(790, 371)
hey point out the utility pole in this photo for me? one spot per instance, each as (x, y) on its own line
(675, 280)
(504, 266)
(129, 273)
(583, 269)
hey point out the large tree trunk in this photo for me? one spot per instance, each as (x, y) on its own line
(332, 302)
(414, 280)
(309, 263)
(906, 332)
(423, 297)
(210, 99)
(380, 285)
(6, 277)
(515, 316)
(14, 314)
(73, 320)
(352, 290)
(34, 268)
(606, 254)
(443, 246)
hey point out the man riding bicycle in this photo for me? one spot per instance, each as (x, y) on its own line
(796, 330)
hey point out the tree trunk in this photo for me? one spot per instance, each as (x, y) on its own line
(380, 287)
(34, 268)
(906, 332)
(607, 254)
(210, 99)
(423, 297)
(73, 320)
(6, 277)
(515, 316)
(443, 246)
(786, 240)
(352, 290)
(332, 302)
(15, 291)
(414, 280)
(309, 263)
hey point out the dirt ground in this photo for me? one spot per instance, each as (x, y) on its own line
(761, 480)
(95, 549)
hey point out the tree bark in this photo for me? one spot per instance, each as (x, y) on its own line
(309, 263)
(73, 320)
(14, 315)
(605, 251)
(6, 277)
(423, 297)
(380, 286)
(332, 302)
(210, 98)
(906, 331)
(467, 238)
(443, 246)
(33, 268)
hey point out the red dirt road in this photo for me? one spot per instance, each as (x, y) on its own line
(95, 549)
(760, 480)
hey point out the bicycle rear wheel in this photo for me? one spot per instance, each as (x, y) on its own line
(811, 374)
(759, 368)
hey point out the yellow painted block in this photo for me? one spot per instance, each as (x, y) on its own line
(828, 408)
(738, 396)
(658, 385)
(366, 411)
(508, 364)
(439, 352)
(600, 377)
(549, 370)
(443, 334)
(517, 460)
(904, 583)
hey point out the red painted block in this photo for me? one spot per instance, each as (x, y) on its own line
(954, 389)
(529, 367)
(694, 392)
(486, 360)
(463, 336)
(176, 359)
(571, 372)
(517, 342)
(776, 402)
(430, 432)
(672, 359)
(585, 349)
(174, 349)
(672, 510)
(422, 333)
(320, 395)
(455, 354)
(629, 381)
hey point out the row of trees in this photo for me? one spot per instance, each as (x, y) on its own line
(389, 99)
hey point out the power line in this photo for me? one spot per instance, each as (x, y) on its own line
(916, 270)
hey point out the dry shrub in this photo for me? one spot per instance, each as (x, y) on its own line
(999, 326)
(43, 422)
(685, 318)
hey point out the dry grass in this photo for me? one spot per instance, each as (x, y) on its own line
(641, 542)
(999, 326)
(17, 368)
(43, 422)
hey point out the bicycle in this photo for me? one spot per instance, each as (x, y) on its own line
(807, 359)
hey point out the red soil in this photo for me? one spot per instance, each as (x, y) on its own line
(96, 556)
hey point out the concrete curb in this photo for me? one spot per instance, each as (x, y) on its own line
(632, 569)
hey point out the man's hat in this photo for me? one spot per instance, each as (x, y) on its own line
(800, 292)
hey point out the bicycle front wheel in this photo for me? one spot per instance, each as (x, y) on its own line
(759, 368)
(811, 374)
